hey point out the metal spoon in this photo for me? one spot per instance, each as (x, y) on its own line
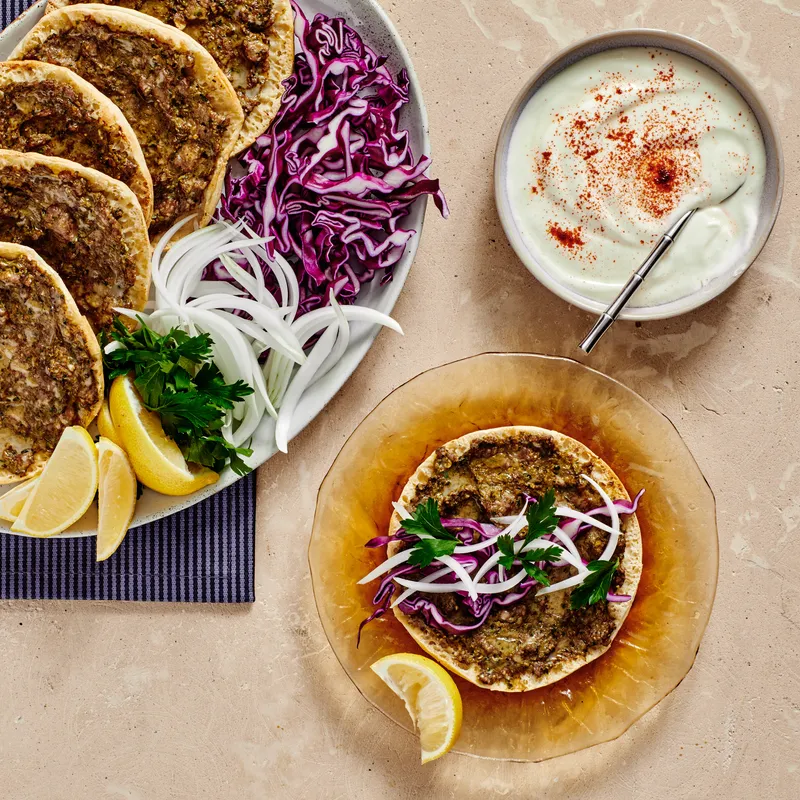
(606, 319)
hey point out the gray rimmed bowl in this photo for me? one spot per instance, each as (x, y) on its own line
(643, 37)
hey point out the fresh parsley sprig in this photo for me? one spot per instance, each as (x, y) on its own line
(529, 560)
(176, 378)
(541, 517)
(595, 586)
(426, 521)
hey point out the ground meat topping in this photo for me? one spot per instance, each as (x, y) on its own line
(156, 89)
(53, 119)
(74, 229)
(46, 378)
(535, 635)
(236, 34)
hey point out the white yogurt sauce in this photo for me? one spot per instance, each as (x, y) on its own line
(612, 150)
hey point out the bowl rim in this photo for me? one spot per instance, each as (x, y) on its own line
(316, 589)
(666, 40)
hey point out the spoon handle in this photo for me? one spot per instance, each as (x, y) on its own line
(606, 319)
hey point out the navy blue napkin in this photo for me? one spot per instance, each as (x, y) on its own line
(203, 554)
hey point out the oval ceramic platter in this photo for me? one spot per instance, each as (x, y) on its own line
(377, 30)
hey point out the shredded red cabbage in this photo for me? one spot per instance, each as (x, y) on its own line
(470, 532)
(334, 175)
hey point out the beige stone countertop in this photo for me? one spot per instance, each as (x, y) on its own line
(147, 701)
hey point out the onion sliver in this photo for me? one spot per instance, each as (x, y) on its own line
(389, 564)
(563, 511)
(434, 576)
(611, 545)
(303, 378)
(449, 561)
(268, 318)
(313, 322)
(342, 341)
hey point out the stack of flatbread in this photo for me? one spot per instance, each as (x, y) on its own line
(115, 127)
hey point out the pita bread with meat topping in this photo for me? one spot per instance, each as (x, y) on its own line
(537, 640)
(251, 40)
(50, 110)
(180, 104)
(88, 227)
(51, 368)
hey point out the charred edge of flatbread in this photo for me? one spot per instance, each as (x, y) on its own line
(120, 196)
(216, 85)
(281, 66)
(631, 560)
(74, 316)
(105, 113)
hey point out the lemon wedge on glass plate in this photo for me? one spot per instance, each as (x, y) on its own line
(157, 460)
(64, 490)
(431, 697)
(13, 500)
(116, 497)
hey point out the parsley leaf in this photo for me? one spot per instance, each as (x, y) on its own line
(427, 550)
(596, 585)
(541, 516)
(505, 544)
(426, 519)
(529, 560)
(176, 378)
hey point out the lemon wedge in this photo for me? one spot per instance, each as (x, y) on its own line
(431, 697)
(157, 460)
(116, 497)
(65, 489)
(106, 426)
(12, 501)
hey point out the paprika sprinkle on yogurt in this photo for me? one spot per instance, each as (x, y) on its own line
(611, 150)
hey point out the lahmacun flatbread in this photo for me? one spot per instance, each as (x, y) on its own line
(537, 640)
(251, 40)
(50, 110)
(88, 227)
(181, 106)
(51, 368)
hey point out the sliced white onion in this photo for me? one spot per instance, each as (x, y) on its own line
(613, 539)
(313, 322)
(431, 588)
(386, 566)
(401, 510)
(342, 340)
(459, 570)
(503, 586)
(434, 576)
(303, 378)
(569, 546)
(268, 318)
(569, 513)
(460, 586)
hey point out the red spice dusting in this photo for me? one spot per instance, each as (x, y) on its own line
(641, 167)
(566, 237)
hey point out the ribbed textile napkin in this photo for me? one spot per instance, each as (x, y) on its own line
(204, 554)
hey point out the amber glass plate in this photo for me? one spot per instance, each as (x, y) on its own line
(658, 642)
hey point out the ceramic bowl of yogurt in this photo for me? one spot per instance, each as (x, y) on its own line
(614, 139)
